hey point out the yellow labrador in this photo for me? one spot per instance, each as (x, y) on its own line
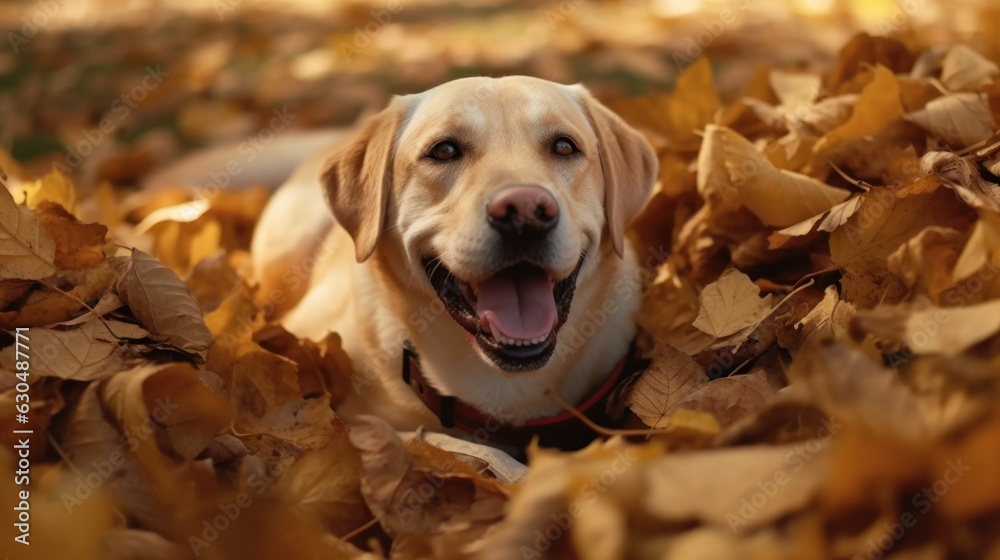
(483, 221)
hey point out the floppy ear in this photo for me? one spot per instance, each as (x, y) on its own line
(358, 179)
(628, 163)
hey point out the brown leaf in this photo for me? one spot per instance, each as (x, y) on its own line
(187, 411)
(925, 262)
(78, 245)
(827, 320)
(27, 250)
(424, 497)
(864, 51)
(161, 302)
(693, 103)
(889, 217)
(325, 485)
(64, 298)
(323, 368)
(93, 350)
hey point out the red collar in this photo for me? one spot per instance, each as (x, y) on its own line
(564, 431)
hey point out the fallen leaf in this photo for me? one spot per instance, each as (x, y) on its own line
(878, 108)
(960, 120)
(27, 249)
(78, 245)
(54, 188)
(693, 103)
(325, 485)
(963, 69)
(730, 305)
(778, 197)
(93, 350)
(864, 51)
(925, 262)
(981, 249)
(161, 302)
(827, 221)
(948, 331)
(714, 487)
(827, 320)
(889, 217)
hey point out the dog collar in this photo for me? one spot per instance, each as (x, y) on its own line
(564, 431)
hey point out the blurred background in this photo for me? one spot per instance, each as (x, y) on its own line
(111, 89)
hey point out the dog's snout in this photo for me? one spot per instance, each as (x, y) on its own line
(522, 211)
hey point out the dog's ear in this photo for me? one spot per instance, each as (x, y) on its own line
(358, 179)
(628, 163)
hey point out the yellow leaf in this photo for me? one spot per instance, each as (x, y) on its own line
(878, 108)
(54, 187)
(778, 197)
(730, 304)
(693, 103)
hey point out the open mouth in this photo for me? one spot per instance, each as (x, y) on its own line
(513, 315)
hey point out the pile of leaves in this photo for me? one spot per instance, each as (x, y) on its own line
(821, 311)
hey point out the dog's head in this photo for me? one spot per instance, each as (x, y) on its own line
(500, 191)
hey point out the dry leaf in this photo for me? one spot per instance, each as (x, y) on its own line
(161, 302)
(693, 103)
(889, 217)
(730, 305)
(93, 350)
(925, 262)
(777, 196)
(878, 108)
(963, 69)
(981, 248)
(715, 487)
(27, 250)
(960, 120)
(325, 485)
(54, 188)
(827, 320)
(78, 245)
(949, 331)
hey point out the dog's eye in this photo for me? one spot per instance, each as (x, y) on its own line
(444, 151)
(564, 147)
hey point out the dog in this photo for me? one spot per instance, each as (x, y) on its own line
(483, 222)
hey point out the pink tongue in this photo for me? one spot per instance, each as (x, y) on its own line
(518, 303)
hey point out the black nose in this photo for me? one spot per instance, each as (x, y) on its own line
(522, 212)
